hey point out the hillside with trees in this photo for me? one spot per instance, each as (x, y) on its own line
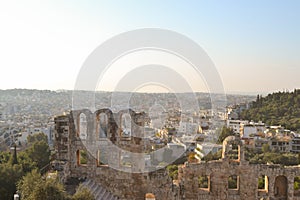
(280, 108)
(24, 171)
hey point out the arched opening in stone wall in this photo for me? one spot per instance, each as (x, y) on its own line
(232, 149)
(102, 125)
(281, 187)
(233, 182)
(81, 157)
(297, 186)
(203, 182)
(126, 125)
(82, 126)
(102, 157)
(233, 152)
(262, 185)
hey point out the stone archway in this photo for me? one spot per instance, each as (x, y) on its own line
(102, 125)
(281, 187)
(228, 144)
(82, 126)
(125, 125)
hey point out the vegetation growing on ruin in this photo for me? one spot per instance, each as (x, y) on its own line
(267, 156)
(261, 157)
(212, 156)
(223, 133)
(173, 171)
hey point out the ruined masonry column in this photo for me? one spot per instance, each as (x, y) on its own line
(290, 186)
(271, 185)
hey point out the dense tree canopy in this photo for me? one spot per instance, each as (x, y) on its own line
(83, 193)
(35, 156)
(285, 159)
(9, 175)
(25, 175)
(280, 108)
(254, 157)
(39, 153)
(33, 186)
(265, 156)
(31, 139)
(5, 156)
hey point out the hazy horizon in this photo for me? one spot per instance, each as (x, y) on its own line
(253, 44)
(155, 92)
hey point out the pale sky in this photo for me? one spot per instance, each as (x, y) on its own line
(255, 45)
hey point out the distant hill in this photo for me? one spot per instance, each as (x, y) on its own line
(61, 100)
(280, 108)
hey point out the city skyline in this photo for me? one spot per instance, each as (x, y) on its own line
(253, 44)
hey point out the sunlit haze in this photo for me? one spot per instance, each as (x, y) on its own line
(254, 45)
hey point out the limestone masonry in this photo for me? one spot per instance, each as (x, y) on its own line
(93, 147)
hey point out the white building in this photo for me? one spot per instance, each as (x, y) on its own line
(235, 125)
(282, 144)
(295, 144)
(251, 130)
(205, 148)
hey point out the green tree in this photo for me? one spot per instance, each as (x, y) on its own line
(51, 190)
(83, 193)
(31, 139)
(266, 148)
(281, 108)
(29, 183)
(27, 163)
(14, 159)
(33, 186)
(39, 153)
(4, 157)
(173, 171)
(9, 175)
(223, 133)
(286, 159)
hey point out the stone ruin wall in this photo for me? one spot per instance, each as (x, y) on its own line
(279, 180)
(279, 184)
(124, 184)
